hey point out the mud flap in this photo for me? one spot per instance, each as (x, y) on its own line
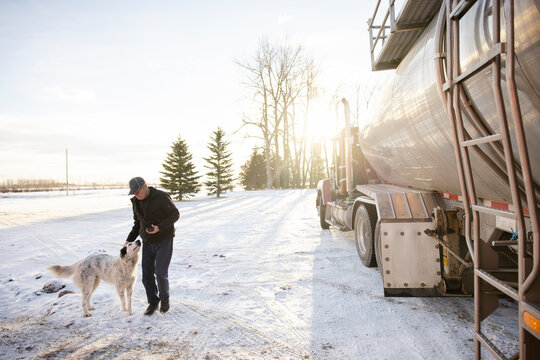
(410, 260)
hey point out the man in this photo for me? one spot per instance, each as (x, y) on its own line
(154, 215)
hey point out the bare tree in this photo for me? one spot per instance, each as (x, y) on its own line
(257, 79)
(363, 96)
(311, 72)
(278, 76)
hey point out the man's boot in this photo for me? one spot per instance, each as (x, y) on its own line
(164, 306)
(150, 309)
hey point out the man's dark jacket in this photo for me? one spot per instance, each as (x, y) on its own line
(156, 209)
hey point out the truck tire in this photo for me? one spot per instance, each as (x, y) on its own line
(322, 215)
(364, 227)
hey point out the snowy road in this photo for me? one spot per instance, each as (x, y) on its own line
(252, 277)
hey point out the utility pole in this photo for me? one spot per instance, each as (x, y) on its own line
(67, 178)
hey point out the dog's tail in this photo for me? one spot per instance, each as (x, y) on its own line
(63, 271)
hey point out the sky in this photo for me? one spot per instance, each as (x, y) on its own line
(116, 82)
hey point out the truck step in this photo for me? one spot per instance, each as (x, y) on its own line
(335, 224)
(496, 283)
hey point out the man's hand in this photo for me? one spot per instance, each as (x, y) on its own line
(156, 229)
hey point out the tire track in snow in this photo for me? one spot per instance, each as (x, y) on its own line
(282, 313)
(49, 248)
(334, 256)
(240, 332)
(231, 275)
(273, 262)
(211, 299)
(253, 334)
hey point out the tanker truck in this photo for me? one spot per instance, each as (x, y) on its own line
(439, 181)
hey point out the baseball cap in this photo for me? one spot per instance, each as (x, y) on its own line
(135, 184)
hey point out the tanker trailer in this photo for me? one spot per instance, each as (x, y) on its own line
(453, 139)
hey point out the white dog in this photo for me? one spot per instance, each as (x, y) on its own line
(121, 272)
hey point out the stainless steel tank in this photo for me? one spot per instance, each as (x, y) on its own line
(407, 135)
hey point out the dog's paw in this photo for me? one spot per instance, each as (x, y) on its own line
(130, 313)
(91, 308)
(87, 315)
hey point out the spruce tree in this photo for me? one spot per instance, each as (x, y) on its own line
(253, 174)
(220, 174)
(180, 177)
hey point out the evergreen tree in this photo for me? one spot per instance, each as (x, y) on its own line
(220, 176)
(180, 177)
(253, 174)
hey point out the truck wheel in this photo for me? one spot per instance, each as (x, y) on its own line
(322, 215)
(363, 236)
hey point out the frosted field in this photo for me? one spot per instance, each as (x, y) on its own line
(252, 277)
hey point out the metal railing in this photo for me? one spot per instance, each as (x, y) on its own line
(381, 34)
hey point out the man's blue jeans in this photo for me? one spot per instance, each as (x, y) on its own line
(155, 269)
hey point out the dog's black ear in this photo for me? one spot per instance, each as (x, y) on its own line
(123, 252)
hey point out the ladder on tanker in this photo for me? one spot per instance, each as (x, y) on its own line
(488, 286)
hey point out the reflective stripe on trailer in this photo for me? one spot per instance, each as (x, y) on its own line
(452, 196)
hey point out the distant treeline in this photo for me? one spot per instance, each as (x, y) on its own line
(30, 185)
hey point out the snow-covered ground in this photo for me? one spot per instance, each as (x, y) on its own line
(252, 277)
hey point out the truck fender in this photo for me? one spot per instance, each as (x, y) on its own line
(372, 210)
(323, 191)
